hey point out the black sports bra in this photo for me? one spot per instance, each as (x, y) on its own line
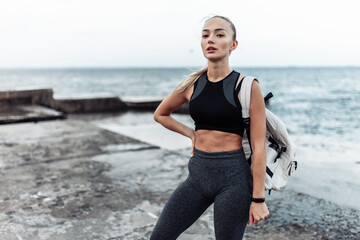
(216, 106)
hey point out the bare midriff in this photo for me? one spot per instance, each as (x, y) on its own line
(217, 141)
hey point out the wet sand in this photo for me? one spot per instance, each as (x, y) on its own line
(71, 179)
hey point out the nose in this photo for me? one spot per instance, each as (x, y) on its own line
(211, 39)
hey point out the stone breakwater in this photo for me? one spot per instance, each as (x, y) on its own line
(68, 179)
(28, 105)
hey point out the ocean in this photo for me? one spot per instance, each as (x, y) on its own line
(319, 105)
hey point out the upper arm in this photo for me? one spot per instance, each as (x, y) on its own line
(171, 103)
(257, 116)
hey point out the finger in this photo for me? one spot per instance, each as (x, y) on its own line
(256, 219)
(251, 219)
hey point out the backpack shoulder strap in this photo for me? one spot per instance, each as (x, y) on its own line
(245, 95)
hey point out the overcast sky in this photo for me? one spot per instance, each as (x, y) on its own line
(163, 33)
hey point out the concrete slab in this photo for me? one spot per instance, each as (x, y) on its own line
(72, 180)
(31, 143)
(100, 102)
(141, 125)
(28, 113)
(27, 96)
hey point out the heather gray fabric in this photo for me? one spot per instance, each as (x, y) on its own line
(222, 178)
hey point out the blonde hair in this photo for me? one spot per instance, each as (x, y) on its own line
(193, 77)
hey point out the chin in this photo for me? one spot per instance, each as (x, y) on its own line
(214, 58)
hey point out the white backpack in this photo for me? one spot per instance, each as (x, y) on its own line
(280, 152)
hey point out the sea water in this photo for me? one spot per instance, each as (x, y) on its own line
(320, 107)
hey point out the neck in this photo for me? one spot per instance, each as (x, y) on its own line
(218, 70)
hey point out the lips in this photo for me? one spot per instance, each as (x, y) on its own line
(210, 49)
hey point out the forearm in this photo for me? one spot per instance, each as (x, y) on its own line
(259, 171)
(174, 125)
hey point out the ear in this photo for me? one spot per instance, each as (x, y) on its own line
(234, 45)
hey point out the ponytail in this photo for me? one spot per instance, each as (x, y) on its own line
(191, 79)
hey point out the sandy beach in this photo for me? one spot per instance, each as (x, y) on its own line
(73, 179)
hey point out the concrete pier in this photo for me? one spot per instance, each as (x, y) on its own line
(28, 106)
(75, 178)
(72, 180)
(28, 113)
(40, 105)
(90, 103)
(27, 96)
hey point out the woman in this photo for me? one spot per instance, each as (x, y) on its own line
(218, 170)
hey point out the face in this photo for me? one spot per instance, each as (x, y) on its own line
(217, 39)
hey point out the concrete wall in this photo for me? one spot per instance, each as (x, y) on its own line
(110, 104)
(35, 96)
(81, 103)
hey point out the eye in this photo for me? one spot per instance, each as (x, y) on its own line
(205, 36)
(220, 35)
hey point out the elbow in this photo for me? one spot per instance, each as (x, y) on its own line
(159, 114)
(160, 118)
(156, 117)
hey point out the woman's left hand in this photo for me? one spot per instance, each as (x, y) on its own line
(258, 212)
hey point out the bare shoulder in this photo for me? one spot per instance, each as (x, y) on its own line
(171, 102)
(255, 88)
(177, 96)
(257, 100)
(185, 95)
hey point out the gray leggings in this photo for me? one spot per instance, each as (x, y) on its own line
(222, 178)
